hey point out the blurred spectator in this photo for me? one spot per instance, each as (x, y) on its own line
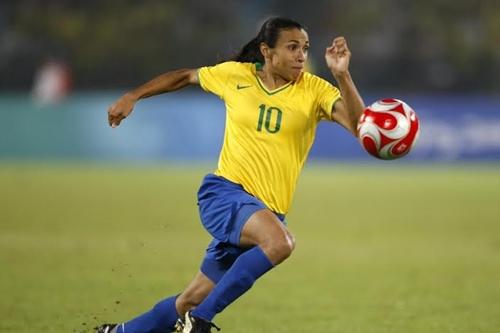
(52, 82)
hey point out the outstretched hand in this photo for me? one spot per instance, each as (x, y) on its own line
(337, 56)
(120, 110)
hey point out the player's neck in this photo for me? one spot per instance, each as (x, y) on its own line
(270, 79)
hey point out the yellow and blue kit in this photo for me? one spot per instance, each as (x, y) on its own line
(267, 138)
(268, 133)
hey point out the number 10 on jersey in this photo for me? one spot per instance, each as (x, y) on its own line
(269, 118)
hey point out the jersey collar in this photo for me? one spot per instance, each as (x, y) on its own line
(258, 66)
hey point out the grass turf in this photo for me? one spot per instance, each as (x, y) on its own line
(379, 249)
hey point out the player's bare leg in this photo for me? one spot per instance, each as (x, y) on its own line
(194, 294)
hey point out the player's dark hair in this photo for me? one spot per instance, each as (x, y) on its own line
(269, 33)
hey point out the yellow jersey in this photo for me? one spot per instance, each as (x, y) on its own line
(268, 133)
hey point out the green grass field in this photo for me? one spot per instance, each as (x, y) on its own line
(379, 249)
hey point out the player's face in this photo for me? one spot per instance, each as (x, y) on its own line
(289, 55)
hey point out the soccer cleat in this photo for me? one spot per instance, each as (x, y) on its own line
(179, 326)
(197, 325)
(105, 328)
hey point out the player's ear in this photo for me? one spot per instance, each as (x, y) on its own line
(264, 49)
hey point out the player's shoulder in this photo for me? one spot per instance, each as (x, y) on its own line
(235, 66)
(311, 80)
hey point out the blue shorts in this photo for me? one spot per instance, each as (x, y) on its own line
(224, 209)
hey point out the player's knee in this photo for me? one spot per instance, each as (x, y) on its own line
(283, 250)
(280, 249)
(291, 241)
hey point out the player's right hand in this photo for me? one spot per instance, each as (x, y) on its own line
(120, 110)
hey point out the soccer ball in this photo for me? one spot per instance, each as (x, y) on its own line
(388, 129)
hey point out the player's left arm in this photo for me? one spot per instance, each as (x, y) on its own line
(346, 111)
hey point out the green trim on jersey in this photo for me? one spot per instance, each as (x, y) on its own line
(272, 92)
(258, 67)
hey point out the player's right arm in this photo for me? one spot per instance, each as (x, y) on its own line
(166, 82)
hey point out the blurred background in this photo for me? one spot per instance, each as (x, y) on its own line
(63, 62)
(97, 224)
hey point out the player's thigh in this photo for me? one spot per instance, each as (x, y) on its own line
(197, 290)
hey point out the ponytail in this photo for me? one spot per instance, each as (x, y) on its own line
(250, 52)
(269, 33)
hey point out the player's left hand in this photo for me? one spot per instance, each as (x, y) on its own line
(337, 56)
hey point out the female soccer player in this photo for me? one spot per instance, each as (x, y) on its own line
(272, 108)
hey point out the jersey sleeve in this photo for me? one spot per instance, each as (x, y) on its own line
(326, 96)
(214, 79)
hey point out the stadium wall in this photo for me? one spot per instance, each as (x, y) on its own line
(188, 126)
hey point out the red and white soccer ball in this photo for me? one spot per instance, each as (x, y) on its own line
(388, 129)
